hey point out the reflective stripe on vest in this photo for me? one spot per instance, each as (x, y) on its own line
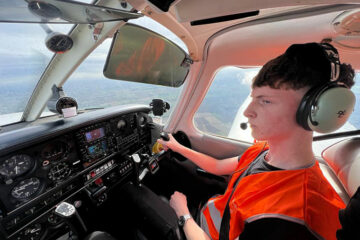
(213, 213)
(303, 196)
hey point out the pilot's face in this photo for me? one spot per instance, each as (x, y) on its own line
(272, 112)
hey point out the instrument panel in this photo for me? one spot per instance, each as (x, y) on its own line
(35, 178)
(29, 172)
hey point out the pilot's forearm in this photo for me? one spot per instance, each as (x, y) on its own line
(209, 164)
(193, 231)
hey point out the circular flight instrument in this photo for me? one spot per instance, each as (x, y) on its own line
(59, 172)
(58, 42)
(142, 121)
(26, 188)
(121, 124)
(16, 165)
(65, 102)
(55, 151)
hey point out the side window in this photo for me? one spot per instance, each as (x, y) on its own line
(355, 116)
(221, 111)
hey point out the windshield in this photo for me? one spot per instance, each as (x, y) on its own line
(23, 58)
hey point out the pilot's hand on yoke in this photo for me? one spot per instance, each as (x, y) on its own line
(179, 203)
(170, 144)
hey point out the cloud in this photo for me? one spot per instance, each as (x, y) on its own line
(87, 75)
(247, 76)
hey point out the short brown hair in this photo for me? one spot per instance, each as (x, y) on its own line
(302, 65)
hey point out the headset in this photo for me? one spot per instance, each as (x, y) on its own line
(326, 108)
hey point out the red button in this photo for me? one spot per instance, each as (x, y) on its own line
(99, 181)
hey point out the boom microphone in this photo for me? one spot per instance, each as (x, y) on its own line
(243, 125)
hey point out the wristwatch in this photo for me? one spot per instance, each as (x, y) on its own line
(182, 219)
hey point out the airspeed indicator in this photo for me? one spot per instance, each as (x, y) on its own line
(16, 165)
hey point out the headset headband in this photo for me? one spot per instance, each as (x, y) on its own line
(333, 56)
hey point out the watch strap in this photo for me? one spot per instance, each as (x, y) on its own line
(187, 217)
(183, 219)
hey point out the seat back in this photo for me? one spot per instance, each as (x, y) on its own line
(341, 166)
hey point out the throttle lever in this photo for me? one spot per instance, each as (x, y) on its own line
(68, 212)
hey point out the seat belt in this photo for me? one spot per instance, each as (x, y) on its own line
(225, 221)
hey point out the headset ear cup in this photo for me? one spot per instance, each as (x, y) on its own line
(304, 109)
(326, 108)
(332, 109)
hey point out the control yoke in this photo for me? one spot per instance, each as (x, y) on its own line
(159, 107)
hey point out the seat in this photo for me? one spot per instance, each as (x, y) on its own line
(343, 158)
(340, 164)
(333, 180)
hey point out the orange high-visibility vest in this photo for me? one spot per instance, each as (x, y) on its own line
(302, 196)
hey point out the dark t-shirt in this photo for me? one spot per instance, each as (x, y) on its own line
(271, 228)
(259, 165)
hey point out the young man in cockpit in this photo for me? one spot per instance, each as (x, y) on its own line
(277, 190)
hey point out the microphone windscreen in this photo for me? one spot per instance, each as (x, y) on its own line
(243, 125)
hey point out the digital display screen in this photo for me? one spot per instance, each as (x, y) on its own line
(95, 134)
(97, 149)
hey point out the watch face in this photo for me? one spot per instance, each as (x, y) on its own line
(181, 221)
